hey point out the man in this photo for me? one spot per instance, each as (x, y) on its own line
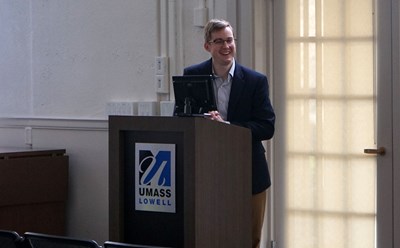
(242, 97)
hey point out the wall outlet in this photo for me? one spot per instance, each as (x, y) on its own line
(162, 84)
(161, 65)
(28, 136)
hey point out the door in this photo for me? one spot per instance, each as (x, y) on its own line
(332, 163)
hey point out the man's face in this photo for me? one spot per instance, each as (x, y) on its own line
(222, 47)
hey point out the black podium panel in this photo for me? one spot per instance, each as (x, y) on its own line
(153, 227)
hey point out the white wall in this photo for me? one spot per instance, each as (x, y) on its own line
(77, 55)
(61, 61)
(67, 59)
(15, 59)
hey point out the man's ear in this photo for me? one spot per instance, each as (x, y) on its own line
(207, 46)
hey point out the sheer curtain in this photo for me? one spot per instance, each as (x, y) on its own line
(328, 186)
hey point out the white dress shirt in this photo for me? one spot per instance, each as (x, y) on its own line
(222, 89)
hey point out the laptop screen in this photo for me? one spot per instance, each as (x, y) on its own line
(194, 95)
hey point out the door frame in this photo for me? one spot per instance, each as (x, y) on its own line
(384, 80)
(396, 119)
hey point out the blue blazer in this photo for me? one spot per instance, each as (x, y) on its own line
(249, 106)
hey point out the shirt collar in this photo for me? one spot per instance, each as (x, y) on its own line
(231, 71)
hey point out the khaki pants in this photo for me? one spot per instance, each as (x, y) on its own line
(258, 209)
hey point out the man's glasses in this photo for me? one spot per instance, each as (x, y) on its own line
(220, 41)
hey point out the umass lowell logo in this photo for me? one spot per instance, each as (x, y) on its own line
(155, 177)
(155, 170)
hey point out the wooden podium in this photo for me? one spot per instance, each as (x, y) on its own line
(210, 203)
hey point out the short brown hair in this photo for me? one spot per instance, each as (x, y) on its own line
(215, 25)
